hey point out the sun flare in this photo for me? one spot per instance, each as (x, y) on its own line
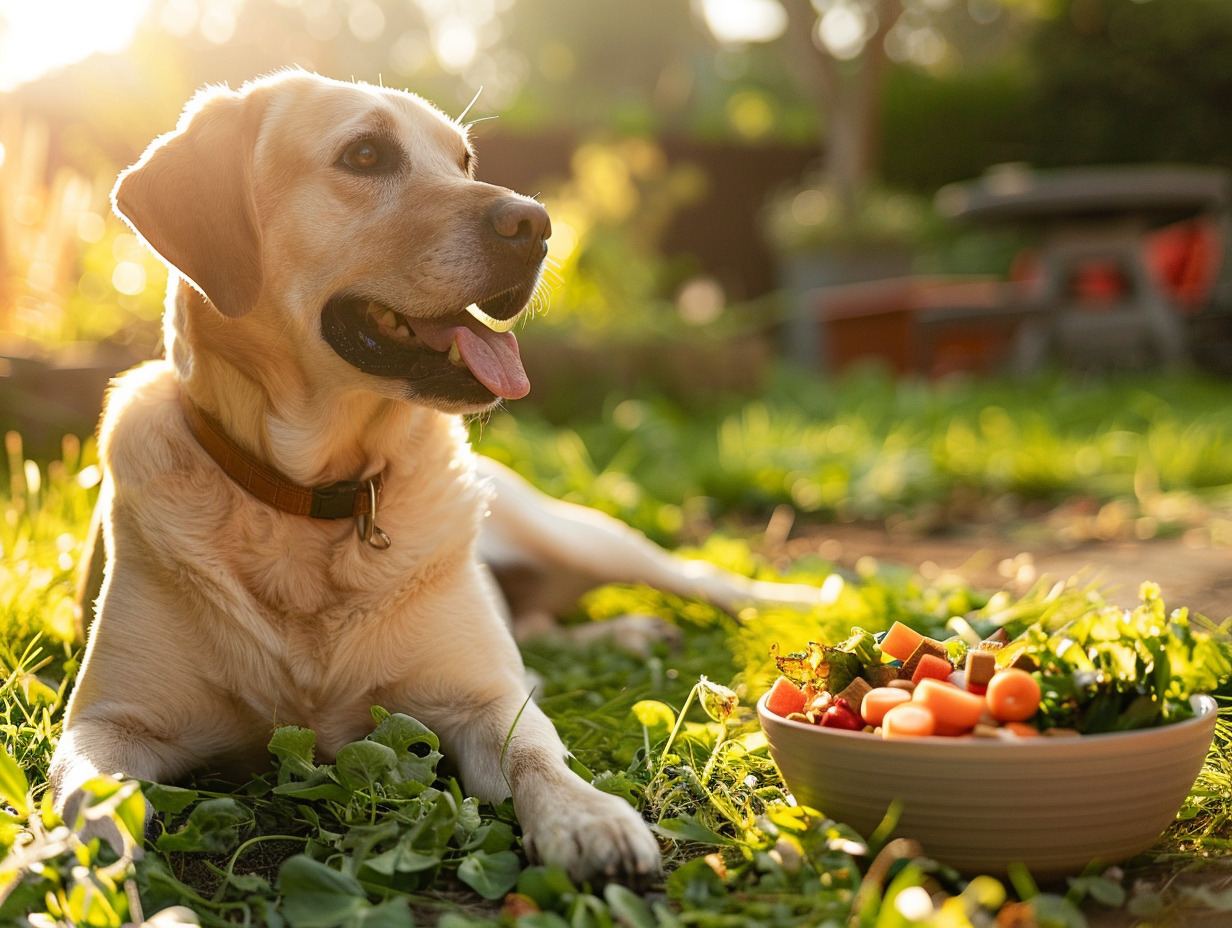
(40, 36)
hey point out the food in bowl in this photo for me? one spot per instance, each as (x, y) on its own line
(1127, 681)
(1109, 670)
(982, 804)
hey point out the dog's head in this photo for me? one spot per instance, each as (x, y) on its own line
(347, 218)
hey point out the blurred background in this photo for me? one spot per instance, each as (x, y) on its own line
(732, 183)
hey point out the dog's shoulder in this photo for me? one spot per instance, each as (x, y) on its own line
(142, 434)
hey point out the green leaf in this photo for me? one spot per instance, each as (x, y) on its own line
(1052, 911)
(317, 896)
(395, 913)
(415, 747)
(14, 787)
(688, 828)
(490, 875)
(295, 749)
(401, 860)
(169, 799)
(1103, 890)
(364, 763)
(320, 785)
(130, 812)
(402, 733)
(468, 829)
(213, 826)
(578, 767)
(495, 836)
(545, 886)
(695, 884)
(629, 908)
(250, 884)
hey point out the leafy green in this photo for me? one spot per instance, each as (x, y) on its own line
(832, 667)
(1116, 669)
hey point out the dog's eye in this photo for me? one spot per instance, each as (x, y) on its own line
(369, 156)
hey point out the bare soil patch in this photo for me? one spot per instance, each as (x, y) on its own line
(1190, 569)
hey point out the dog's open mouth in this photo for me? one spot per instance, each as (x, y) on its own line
(468, 356)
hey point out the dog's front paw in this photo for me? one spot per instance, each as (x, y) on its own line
(593, 836)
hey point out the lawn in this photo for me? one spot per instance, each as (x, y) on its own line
(382, 837)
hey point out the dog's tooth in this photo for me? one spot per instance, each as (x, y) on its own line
(455, 356)
(374, 310)
(403, 332)
(388, 319)
(496, 325)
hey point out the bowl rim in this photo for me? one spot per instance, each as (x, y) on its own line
(1204, 706)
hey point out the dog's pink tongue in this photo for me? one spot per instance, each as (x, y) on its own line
(491, 356)
(494, 359)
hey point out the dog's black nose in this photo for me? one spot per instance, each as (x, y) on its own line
(524, 225)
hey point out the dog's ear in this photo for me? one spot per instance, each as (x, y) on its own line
(190, 198)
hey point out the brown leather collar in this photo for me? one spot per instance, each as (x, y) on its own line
(342, 500)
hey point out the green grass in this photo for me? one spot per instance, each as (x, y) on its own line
(867, 446)
(382, 838)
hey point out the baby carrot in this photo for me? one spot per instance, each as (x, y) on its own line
(951, 707)
(880, 700)
(907, 720)
(1022, 729)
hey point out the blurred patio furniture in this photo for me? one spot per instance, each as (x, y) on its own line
(1100, 296)
(1127, 269)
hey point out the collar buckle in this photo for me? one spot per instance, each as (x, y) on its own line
(336, 501)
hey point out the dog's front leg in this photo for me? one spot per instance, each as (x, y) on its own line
(509, 746)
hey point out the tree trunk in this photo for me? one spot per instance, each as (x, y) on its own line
(849, 96)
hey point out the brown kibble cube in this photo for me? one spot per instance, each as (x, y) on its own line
(981, 665)
(1025, 662)
(881, 675)
(994, 642)
(927, 646)
(854, 693)
(902, 685)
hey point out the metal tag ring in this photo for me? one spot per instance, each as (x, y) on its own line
(365, 523)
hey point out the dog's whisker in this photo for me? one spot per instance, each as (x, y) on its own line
(462, 115)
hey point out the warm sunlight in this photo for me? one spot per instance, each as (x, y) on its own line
(738, 21)
(37, 37)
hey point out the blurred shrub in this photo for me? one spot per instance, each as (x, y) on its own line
(69, 271)
(1130, 81)
(608, 218)
(810, 216)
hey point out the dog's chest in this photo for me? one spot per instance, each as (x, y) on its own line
(329, 613)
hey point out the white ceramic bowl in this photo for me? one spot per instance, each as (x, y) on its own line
(980, 805)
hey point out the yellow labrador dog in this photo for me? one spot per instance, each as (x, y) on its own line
(295, 527)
